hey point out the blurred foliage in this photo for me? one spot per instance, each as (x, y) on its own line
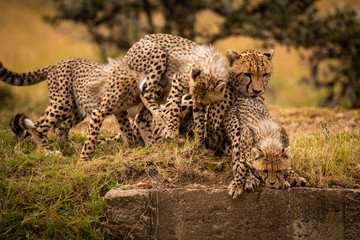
(333, 39)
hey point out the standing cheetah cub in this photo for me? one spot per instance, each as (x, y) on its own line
(80, 88)
(180, 66)
(259, 148)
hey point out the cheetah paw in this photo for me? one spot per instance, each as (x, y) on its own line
(235, 190)
(285, 185)
(297, 181)
(170, 134)
(251, 183)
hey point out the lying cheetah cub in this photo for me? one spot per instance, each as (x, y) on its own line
(259, 148)
(80, 88)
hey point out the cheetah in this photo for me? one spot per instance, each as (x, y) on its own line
(180, 67)
(259, 148)
(249, 74)
(80, 88)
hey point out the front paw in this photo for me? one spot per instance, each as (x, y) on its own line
(157, 133)
(169, 133)
(251, 183)
(284, 185)
(158, 128)
(297, 181)
(235, 189)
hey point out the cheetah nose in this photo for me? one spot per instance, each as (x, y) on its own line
(256, 91)
(272, 183)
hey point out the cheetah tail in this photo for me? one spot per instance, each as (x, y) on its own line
(20, 124)
(23, 79)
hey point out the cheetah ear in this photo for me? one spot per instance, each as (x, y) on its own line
(195, 73)
(231, 56)
(287, 152)
(256, 153)
(269, 54)
(221, 87)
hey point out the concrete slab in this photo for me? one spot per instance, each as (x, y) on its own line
(298, 213)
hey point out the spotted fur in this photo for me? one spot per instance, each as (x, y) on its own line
(80, 88)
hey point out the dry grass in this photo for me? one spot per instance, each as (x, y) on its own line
(329, 159)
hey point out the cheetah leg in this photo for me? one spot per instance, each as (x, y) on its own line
(172, 127)
(215, 114)
(240, 143)
(97, 118)
(126, 130)
(148, 90)
(136, 131)
(62, 131)
(55, 112)
(200, 122)
(40, 134)
(186, 118)
(186, 104)
(43, 125)
(227, 147)
(143, 123)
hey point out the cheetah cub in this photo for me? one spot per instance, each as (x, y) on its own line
(79, 88)
(259, 148)
(181, 67)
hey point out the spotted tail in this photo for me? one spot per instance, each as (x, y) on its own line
(23, 79)
(20, 124)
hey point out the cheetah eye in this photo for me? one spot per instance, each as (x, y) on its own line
(266, 74)
(265, 171)
(247, 74)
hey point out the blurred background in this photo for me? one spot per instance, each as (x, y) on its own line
(316, 43)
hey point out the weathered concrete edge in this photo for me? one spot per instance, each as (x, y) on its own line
(305, 213)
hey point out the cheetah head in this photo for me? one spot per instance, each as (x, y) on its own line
(250, 71)
(271, 165)
(205, 88)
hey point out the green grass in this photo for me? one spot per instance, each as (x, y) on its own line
(49, 197)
